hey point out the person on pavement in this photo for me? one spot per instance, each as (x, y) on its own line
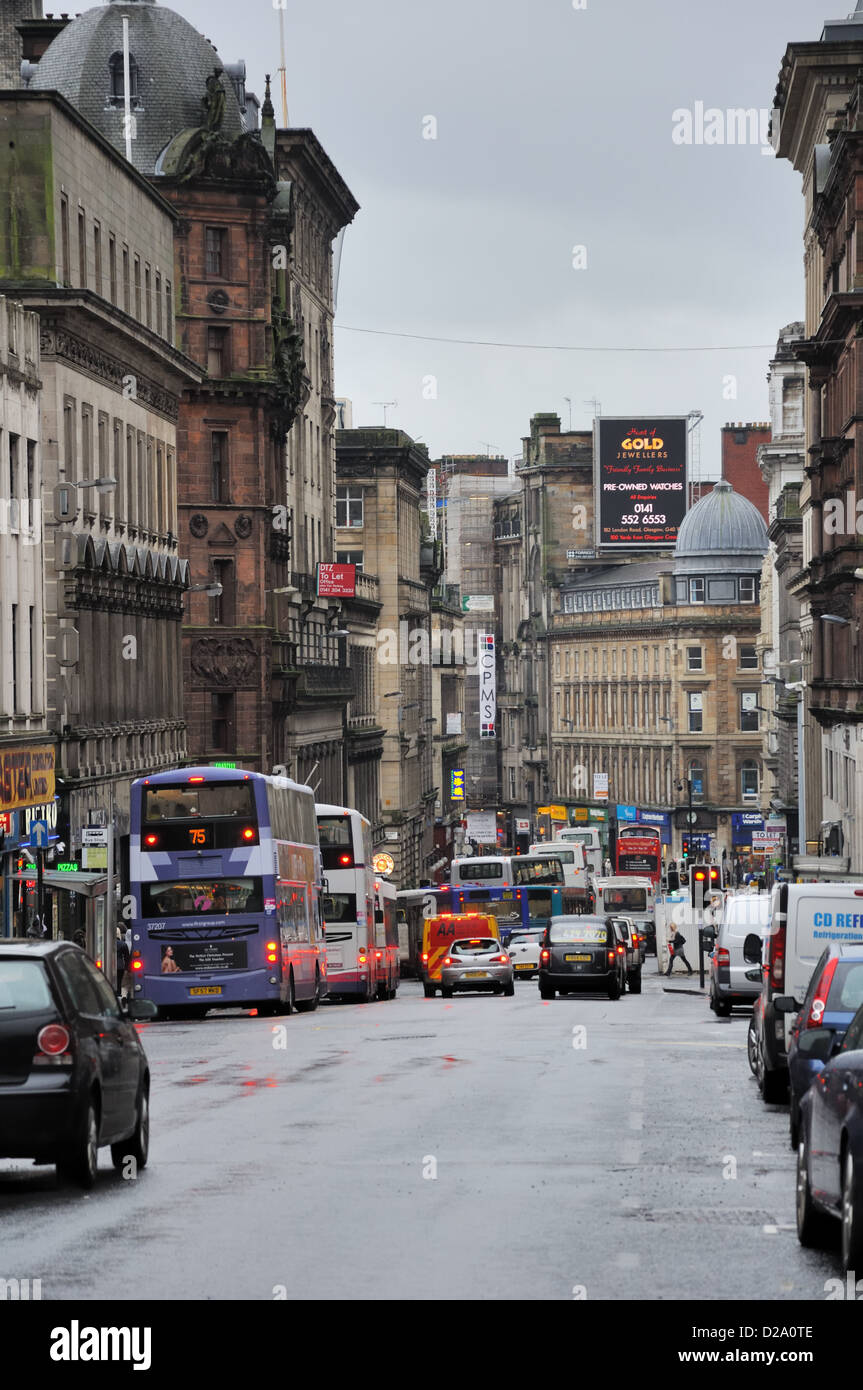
(675, 952)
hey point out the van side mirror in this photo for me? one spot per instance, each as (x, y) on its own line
(752, 949)
(785, 1004)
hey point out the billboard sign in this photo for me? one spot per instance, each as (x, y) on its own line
(26, 777)
(337, 581)
(600, 786)
(487, 684)
(456, 784)
(482, 827)
(640, 480)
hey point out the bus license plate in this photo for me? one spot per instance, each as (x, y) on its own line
(577, 957)
(206, 989)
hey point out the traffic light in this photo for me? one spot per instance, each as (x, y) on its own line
(685, 846)
(699, 877)
(715, 876)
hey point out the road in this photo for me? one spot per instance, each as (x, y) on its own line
(478, 1148)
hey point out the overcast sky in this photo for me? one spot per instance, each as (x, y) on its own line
(554, 130)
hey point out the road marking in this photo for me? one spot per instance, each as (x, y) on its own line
(678, 1042)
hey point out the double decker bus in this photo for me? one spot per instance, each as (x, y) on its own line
(639, 852)
(523, 909)
(225, 875)
(386, 939)
(348, 902)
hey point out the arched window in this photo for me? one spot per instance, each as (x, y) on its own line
(699, 782)
(118, 92)
(749, 781)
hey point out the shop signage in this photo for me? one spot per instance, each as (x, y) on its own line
(26, 777)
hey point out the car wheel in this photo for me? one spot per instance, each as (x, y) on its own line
(634, 982)
(509, 990)
(429, 991)
(752, 1048)
(852, 1214)
(614, 988)
(794, 1124)
(445, 992)
(722, 1008)
(81, 1160)
(774, 1086)
(137, 1146)
(814, 1227)
(546, 992)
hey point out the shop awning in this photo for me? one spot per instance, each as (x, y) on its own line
(88, 885)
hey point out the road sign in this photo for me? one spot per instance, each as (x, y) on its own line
(39, 834)
(96, 835)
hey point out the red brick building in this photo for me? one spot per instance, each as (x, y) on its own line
(740, 462)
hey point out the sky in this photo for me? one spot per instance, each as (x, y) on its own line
(553, 207)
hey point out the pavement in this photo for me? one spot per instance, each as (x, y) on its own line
(487, 1147)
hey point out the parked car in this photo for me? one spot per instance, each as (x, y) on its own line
(636, 950)
(734, 980)
(804, 918)
(834, 995)
(477, 963)
(524, 952)
(830, 1153)
(582, 953)
(73, 1073)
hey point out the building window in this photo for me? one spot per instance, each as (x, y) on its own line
(696, 591)
(216, 251)
(696, 777)
(14, 658)
(127, 290)
(350, 557)
(749, 711)
(747, 588)
(169, 313)
(117, 78)
(148, 296)
(158, 304)
(112, 267)
(217, 352)
(635, 661)
(31, 469)
(32, 659)
(82, 249)
(748, 658)
(349, 507)
(222, 721)
(13, 467)
(749, 781)
(219, 466)
(97, 255)
(137, 265)
(223, 604)
(64, 239)
(696, 711)
(694, 659)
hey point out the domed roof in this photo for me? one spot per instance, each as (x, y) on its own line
(723, 523)
(173, 62)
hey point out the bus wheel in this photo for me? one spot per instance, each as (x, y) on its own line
(289, 1002)
(307, 1006)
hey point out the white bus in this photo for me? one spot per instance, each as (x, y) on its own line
(586, 835)
(626, 896)
(572, 858)
(348, 901)
(506, 871)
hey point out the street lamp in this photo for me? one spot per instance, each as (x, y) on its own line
(800, 688)
(835, 618)
(212, 589)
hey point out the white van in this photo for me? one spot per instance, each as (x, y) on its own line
(572, 859)
(626, 895)
(733, 979)
(804, 918)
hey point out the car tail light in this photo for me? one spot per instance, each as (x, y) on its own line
(723, 957)
(612, 955)
(379, 955)
(819, 1003)
(196, 779)
(776, 958)
(500, 960)
(54, 1046)
(448, 960)
(621, 950)
(425, 957)
(545, 954)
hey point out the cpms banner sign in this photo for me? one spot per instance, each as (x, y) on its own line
(487, 684)
(641, 476)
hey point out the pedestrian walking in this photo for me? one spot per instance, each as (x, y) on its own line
(123, 958)
(607, 869)
(675, 952)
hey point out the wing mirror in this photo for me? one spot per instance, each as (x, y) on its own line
(786, 1004)
(141, 1009)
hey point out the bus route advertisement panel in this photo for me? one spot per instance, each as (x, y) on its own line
(641, 480)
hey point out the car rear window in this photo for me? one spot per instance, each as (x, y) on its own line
(24, 987)
(846, 990)
(472, 947)
(560, 935)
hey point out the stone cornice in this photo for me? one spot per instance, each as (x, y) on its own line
(58, 343)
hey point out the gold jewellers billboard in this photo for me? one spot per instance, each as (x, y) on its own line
(641, 479)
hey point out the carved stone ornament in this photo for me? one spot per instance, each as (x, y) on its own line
(58, 342)
(218, 301)
(199, 525)
(243, 526)
(227, 661)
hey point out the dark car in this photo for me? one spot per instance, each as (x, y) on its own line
(582, 953)
(73, 1073)
(834, 995)
(636, 950)
(830, 1153)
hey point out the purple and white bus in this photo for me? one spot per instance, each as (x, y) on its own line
(225, 873)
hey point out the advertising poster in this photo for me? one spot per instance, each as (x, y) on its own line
(641, 477)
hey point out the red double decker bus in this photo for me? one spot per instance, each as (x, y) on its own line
(639, 852)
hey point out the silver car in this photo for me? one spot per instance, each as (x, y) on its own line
(476, 963)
